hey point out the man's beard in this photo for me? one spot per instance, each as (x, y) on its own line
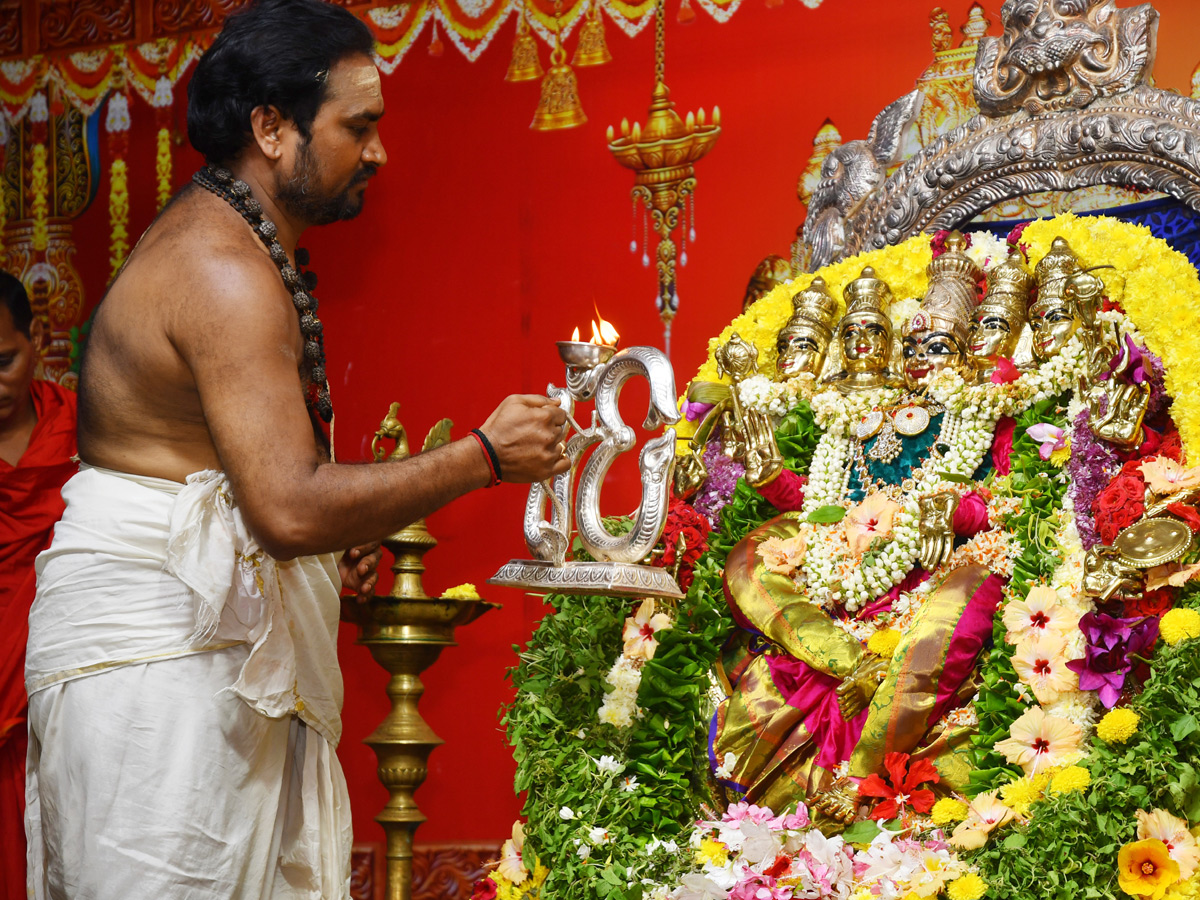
(301, 197)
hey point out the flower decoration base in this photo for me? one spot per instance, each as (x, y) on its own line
(609, 578)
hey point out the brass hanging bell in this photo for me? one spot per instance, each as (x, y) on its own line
(524, 65)
(559, 105)
(592, 49)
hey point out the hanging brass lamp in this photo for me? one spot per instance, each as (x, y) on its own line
(559, 106)
(592, 49)
(525, 65)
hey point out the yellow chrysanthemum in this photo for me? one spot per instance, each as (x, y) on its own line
(1118, 726)
(1072, 778)
(1019, 794)
(1184, 890)
(540, 874)
(1062, 455)
(948, 810)
(1179, 625)
(968, 887)
(884, 642)
(713, 852)
(461, 592)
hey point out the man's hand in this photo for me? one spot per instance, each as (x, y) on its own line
(528, 433)
(359, 570)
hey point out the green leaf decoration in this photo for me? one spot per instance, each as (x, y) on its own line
(827, 515)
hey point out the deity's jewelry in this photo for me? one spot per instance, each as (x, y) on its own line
(236, 193)
(908, 419)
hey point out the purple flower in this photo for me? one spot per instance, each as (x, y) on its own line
(1111, 644)
(695, 412)
(723, 475)
(1092, 466)
(1128, 362)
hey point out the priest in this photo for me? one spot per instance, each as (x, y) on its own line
(37, 444)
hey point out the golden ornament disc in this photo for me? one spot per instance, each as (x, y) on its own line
(911, 420)
(1153, 542)
(869, 426)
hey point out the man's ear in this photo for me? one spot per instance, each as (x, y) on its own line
(37, 335)
(267, 124)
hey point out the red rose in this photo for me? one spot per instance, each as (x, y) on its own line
(785, 493)
(1121, 503)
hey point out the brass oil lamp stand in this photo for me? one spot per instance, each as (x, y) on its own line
(406, 631)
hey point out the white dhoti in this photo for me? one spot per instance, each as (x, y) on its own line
(185, 704)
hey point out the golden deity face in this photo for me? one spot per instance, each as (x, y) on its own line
(866, 343)
(1052, 328)
(926, 353)
(800, 350)
(989, 336)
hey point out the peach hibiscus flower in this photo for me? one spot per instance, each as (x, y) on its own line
(511, 866)
(1041, 663)
(1160, 825)
(869, 520)
(1038, 613)
(1165, 476)
(1039, 741)
(640, 628)
(782, 555)
(985, 813)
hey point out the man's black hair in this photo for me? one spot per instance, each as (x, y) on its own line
(274, 53)
(16, 301)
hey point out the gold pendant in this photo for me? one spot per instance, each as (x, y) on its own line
(887, 446)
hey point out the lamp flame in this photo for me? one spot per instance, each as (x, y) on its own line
(604, 333)
(575, 334)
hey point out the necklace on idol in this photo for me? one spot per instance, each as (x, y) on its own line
(908, 418)
(300, 284)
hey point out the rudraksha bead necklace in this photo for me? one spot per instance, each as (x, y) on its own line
(236, 193)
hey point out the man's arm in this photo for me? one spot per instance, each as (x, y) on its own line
(239, 336)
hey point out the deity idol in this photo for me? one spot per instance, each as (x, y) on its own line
(808, 695)
(804, 340)
(1052, 316)
(996, 329)
(865, 333)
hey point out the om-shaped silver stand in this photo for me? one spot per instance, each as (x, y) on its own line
(598, 372)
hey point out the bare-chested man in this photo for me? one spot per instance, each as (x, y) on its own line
(184, 691)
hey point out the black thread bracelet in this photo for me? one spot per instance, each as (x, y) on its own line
(493, 460)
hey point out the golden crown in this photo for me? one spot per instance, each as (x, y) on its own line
(813, 307)
(1052, 272)
(1008, 292)
(951, 297)
(868, 294)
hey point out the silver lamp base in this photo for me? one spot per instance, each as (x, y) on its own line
(587, 578)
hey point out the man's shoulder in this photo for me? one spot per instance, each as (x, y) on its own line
(205, 261)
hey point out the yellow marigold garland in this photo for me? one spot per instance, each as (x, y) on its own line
(118, 216)
(39, 179)
(1179, 625)
(162, 166)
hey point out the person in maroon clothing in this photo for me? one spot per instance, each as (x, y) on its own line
(37, 447)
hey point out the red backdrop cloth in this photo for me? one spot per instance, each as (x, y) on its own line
(30, 504)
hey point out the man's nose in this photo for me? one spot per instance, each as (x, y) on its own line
(374, 153)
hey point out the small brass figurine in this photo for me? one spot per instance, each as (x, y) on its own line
(996, 326)
(1107, 576)
(804, 341)
(865, 333)
(936, 337)
(750, 432)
